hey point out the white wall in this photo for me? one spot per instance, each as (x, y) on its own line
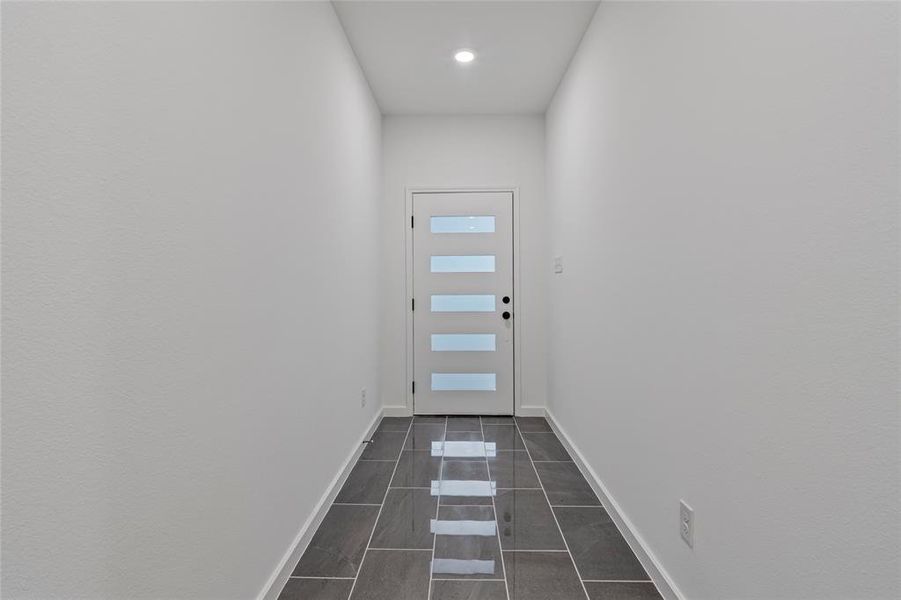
(190, 221)
(464, 151)
(723, 186)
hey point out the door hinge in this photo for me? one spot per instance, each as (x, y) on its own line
(411, 221)
(414, 387)
(412, 303)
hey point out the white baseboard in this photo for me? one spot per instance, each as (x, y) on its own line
(397, 411)
(530, 411)
(280, 576)
(404, 411)
(648, 560)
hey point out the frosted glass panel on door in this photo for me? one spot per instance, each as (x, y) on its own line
(463, 342)
(463, 303)
(464, 382)
(463, 264)
(462, 224)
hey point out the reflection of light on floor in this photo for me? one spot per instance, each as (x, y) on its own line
(480, 528)
(464, 449)
(451, 487)
(458, 566)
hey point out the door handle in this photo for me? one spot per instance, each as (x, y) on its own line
(505, 315)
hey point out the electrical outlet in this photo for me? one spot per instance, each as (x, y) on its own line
(687, 523)
(363, 397)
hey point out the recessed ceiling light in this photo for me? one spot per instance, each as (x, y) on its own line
(464, 56)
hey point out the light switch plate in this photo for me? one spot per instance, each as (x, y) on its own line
(687, 523)
(558, 264)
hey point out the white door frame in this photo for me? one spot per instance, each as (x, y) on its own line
(408, 270)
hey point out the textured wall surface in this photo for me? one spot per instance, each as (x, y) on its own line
(190, 218)
(723, 187)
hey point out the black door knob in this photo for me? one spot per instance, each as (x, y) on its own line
(506, 300)
(506, 315)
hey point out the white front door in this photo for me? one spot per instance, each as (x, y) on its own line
(463, 303)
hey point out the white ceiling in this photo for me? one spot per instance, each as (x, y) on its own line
(406, 50)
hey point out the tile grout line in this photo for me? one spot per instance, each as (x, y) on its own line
(437, 507)
(550, 551)
(497, 525)
(382, 506)
(598, 505)
(420, 487)
(560, 529)
(618, 581)
(498, 450)
(463, 579)
(543, 551)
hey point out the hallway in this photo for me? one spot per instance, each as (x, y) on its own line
(478, 508)
(644, 255)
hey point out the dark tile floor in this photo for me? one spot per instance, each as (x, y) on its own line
(467, 508)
